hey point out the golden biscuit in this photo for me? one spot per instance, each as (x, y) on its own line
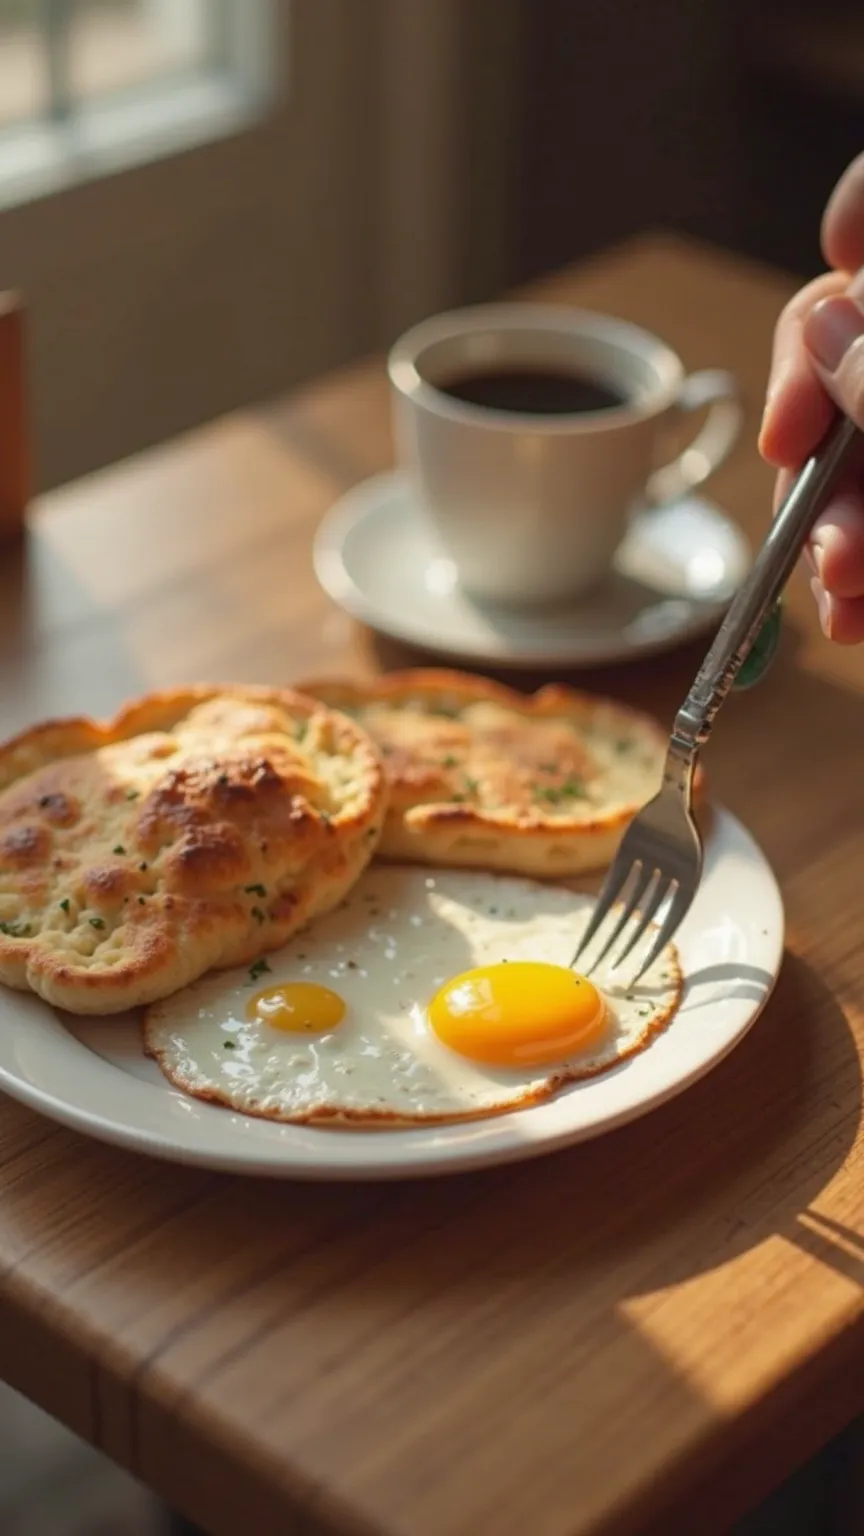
(485, 777)
(198, 829)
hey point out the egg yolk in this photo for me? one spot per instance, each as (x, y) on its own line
(524, 1014)
(299, 1006)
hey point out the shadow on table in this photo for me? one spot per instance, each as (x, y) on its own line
(657, 681)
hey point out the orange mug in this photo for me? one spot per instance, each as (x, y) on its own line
(15, 485)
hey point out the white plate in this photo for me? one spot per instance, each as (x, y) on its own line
(96, 1080)
(376, 556)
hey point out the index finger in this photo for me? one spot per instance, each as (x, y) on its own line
(798, 410)
(843, 222)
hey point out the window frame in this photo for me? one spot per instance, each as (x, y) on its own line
(175, 290)
(76, 141)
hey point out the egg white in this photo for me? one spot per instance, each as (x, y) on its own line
(386, 950)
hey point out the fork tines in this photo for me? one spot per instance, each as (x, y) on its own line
(642, 891)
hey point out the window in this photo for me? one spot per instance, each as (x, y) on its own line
(319, 202)
(89, 86)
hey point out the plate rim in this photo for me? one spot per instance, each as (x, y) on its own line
(495, 1147)
(362, 500)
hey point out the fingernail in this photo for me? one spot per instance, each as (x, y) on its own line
(776, 380)
(831, 329)
(856, 287)
(817, 548)
(823, 603)
(771, 389)
(768, 413)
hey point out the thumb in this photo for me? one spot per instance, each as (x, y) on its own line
(834, 338)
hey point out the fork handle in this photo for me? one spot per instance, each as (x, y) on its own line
(760, 591)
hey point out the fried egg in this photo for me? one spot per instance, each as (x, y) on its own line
(421, 998)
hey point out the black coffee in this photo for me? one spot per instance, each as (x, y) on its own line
(535, 391)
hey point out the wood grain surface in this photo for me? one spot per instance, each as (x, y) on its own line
(643, 1334)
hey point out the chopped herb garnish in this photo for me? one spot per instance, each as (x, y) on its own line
(15, 930)
(548, 793)
(96, 922)
(459, 798)
(553, 794)
(259, 916)
(119, 848)
(450, 761)
(301, 731)
(141, 901)
(472, 786)
(132, 794)
(325, 817)
(65, 904)
(255, 890)
(143, 868)
(258, 969)
(623, 746)
(229, 1045)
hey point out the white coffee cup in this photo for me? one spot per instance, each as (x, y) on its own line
(531, 508)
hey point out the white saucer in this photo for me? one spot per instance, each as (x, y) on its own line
(92, 1074)
(675, 573)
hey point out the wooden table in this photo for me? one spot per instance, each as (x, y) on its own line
(654, 1327)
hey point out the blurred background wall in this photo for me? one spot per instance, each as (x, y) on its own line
(207, 201)
(726, 119)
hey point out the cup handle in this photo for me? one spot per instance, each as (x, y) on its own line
(711, 446)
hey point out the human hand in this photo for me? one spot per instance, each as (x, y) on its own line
(818, 364)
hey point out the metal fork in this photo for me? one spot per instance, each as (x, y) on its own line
(658, 867)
